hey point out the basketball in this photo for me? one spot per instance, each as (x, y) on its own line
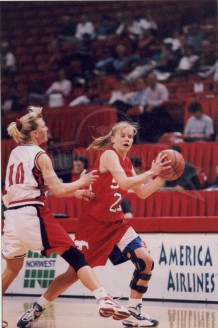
(177, 165)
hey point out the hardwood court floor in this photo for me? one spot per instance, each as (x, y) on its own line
(82, 313)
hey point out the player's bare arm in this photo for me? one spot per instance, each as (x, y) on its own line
(110, 162)
(58, 188)
(144, 191)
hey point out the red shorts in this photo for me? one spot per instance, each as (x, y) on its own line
(99, 238)
(54, 236)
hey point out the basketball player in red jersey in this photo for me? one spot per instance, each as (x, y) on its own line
(29, 224)
(102, 224)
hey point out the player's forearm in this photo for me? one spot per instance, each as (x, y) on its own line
(66, 189)
(148, 189)
(131, 182)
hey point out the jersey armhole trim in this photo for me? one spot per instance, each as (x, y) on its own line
(37, 159)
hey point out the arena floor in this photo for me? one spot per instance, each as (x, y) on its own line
(82, 313)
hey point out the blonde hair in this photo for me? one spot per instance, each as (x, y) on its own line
(20, 130)
(104, 142)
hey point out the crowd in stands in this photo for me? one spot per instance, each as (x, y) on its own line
(124, 61)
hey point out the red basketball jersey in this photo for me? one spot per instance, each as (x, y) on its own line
(107, 204)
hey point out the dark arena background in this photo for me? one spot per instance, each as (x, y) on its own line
(89, 64)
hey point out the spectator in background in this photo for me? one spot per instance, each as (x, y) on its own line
(60, 90)
(122, 60)
(8, 60)
(141, 70)
(210, 70)
(175, 40)
(62, 85)
(89, 93)
(125, 204)
(80, 164)
(199, 127)
(154, 119)
(207, 59)
(188, 62)
(120, 94)
(165, 62)
(96, 89)
(162, 63)
(156, 95)
(194, 36)
(84, 27)
(189, 180)
(135, 99)
(117, 63)
(92, 92)
(129, 28)
(148, 22)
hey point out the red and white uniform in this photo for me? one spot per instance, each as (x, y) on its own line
(101, 223)
(24, 183)
(29, 224)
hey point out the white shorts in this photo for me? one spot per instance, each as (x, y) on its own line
(128, 243)
(129, 236)
(21, 232)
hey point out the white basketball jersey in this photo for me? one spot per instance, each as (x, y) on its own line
(24, 183)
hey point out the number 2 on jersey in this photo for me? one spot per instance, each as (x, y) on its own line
(114, 208)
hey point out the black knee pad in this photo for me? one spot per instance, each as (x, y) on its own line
(138, 262)
(136, 276)
(140, 265)
(75, 258)
(139, 289)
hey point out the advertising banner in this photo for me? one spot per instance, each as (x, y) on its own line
(186, 269)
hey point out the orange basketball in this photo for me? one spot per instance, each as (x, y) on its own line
(177, 165)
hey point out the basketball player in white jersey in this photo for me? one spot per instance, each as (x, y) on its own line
(29, 224)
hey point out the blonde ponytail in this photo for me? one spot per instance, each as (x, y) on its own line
(101, 143)
(20, 130)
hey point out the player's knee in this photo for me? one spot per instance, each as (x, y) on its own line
(12, 269)
(75, 258)
(142, 274)
(10, 274)
(149, 264)
(69, 276)
(144, 263)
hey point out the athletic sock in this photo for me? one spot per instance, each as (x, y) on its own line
(133, 302)
(43, 302)
(99, 293)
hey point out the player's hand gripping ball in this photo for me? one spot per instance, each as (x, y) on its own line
(177, 165)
